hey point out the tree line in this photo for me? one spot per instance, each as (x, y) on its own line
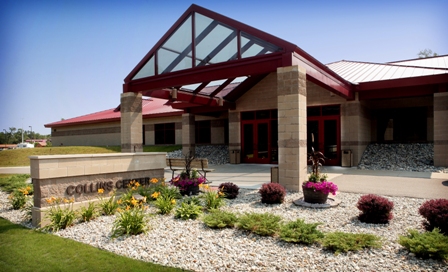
(14, 135)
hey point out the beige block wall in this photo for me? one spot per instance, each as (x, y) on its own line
(262, 96)
(318, 96)
(99, 134)
(441, 129)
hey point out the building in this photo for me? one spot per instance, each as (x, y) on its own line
(213, 80)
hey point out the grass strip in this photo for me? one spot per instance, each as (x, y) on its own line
(23, 249)
(20, 157)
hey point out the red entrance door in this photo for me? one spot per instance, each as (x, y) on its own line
(256, 139)
(325, 130)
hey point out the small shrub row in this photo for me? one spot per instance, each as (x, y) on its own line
(267, 224)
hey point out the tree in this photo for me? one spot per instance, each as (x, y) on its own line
(426, 54)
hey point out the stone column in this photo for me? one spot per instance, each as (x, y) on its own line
(188, 133)
(292, 145)
(131, 122)
(441, 129)
(356, 129)
(234, 130)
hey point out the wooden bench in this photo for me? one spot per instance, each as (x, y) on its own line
(178, 164)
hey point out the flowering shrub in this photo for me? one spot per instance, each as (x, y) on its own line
(184, 181)
(131, 221)
(59, 217)
(19, 197)
(375, 209)
(108, 206)
(272, 193)
(325, 187)
(212, 199)
(435, 211)
(317, 180)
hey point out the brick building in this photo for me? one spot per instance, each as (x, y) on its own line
(213, 80)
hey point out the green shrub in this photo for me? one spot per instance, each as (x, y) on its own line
(88, 213)
(11, 183)
(188, 211)
(213, 199)
(344, 242)
(108, 206)
(19, 197)
(426, 245)
(265, 224)
(192, 200)
(60, 217)
(300, 232)
(220, 219)
(272, 193)
(131, 221)
(165, 204)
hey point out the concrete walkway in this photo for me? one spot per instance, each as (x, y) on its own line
(348, 179)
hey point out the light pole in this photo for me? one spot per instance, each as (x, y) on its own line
(31, 132)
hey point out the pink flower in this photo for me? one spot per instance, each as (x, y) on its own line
(325, 187)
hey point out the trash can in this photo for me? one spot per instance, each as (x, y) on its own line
(234, 156)
(274, 174)
(347, 158)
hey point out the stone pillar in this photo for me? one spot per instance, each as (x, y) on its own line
(356, 129)
(292, 145)
(441, 129)
(131, 122)
(234, 131)
(188, 133)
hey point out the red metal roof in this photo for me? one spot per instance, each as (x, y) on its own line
(359, 72)
(151, 107)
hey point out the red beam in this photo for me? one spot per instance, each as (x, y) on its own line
(250, 66)
(190, 98)
(403, 82)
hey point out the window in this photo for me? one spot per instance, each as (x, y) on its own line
(203, 132)
(164, 134)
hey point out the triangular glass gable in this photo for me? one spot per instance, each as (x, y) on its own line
(213, 42)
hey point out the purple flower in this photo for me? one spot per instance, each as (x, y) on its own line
(183, 184)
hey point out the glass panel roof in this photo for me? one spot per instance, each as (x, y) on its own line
(214, 42)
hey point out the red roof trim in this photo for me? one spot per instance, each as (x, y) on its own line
(403, 82)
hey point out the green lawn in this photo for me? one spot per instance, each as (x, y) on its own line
(19, 157)
(23, 249)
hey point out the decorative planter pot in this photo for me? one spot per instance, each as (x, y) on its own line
(315, 197)
(191, 190)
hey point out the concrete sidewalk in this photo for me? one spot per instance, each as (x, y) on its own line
(348, 179)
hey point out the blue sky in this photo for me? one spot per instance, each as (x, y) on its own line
(63, 59)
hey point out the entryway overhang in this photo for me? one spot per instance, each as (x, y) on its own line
(222, 59)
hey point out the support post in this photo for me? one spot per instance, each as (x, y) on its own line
(188, 133)
(292, 144)
(131, 122)
(441, 129)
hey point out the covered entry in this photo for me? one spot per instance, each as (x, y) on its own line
(206, 63)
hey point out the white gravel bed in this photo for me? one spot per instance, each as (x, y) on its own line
(191, 245)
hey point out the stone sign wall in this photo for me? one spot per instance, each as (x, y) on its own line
(79, 177)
